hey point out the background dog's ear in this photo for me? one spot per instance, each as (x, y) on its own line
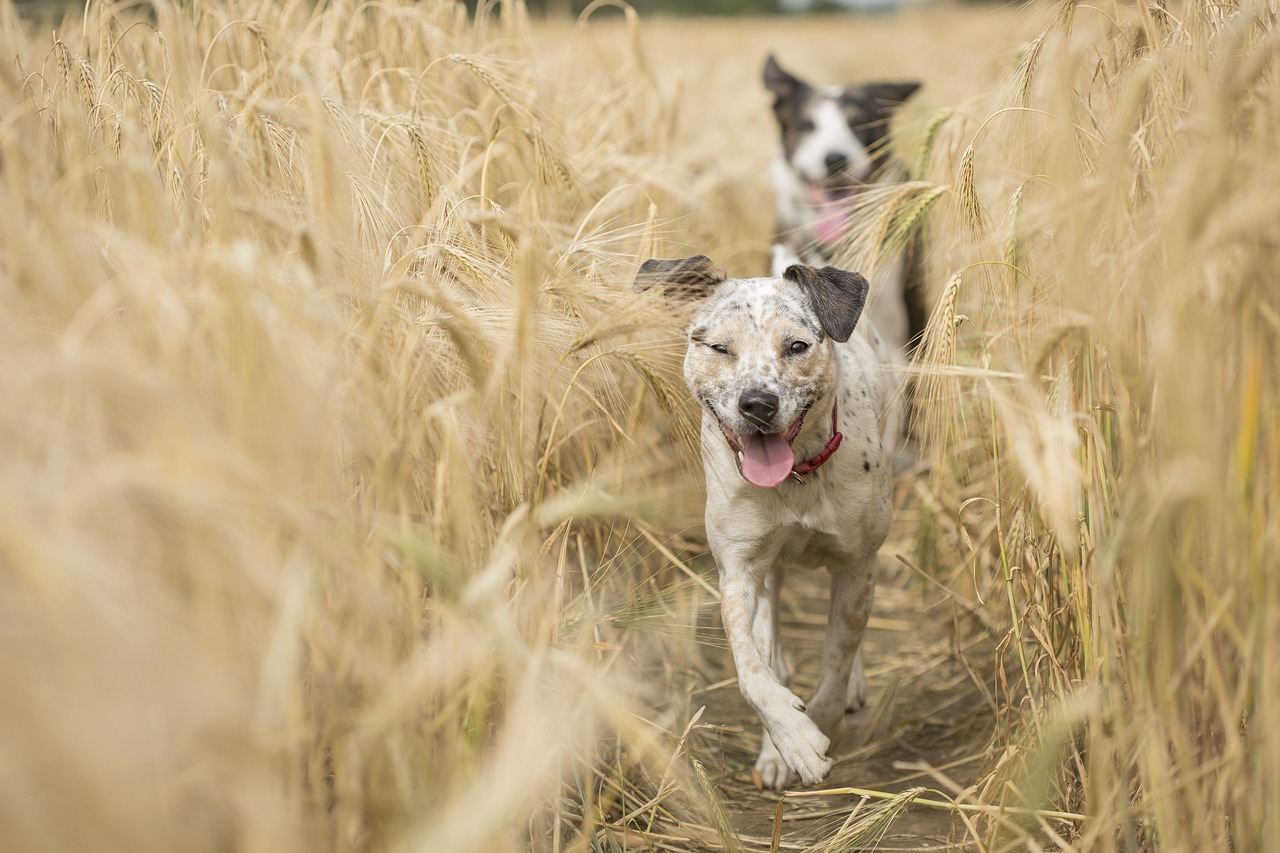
(680, 278)
(783, 85)
(889, 96)
(838, 296)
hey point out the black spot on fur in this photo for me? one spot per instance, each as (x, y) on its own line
(866, 466)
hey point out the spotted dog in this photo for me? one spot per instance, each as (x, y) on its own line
(833, 145)
(797, 424)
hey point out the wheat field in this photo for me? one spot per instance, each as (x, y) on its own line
(349, 498)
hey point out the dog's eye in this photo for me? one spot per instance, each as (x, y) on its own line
(720, 348)
(798, 347)
(805, 125)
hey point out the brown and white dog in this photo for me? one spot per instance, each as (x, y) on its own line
(834, 144)
(798, 424)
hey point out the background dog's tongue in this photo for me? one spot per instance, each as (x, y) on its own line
(833, 215)
(766, 459)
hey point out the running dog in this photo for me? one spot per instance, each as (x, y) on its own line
(833, 145)
(797, 428)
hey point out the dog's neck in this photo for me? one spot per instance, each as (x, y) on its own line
(808, 466)
(810, 221)
(816, 434)
(808, 216)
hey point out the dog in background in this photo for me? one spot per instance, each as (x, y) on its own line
(798, 427)
(834, 143)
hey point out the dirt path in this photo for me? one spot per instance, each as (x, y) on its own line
(926, 710)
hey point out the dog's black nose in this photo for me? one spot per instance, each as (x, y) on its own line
(758, 407)
(836, 162)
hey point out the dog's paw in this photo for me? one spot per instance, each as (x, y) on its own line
(803, 747)
(771, 771)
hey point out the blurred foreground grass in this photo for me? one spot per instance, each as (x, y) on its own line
(347, 491)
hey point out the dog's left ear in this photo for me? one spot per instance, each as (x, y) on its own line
(889, 96)
(680, 278)
(838, 296)
(784, 85)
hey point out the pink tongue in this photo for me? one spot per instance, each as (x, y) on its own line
(766, 459)
(833, 216)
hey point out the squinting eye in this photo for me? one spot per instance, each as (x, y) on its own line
(720, 348)
(798, 347)
(805, 125)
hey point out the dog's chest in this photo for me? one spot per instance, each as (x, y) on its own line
(795, 526)
(805, 544)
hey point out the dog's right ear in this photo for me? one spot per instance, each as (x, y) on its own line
(681, 279)
(784, 86)
(838, 297)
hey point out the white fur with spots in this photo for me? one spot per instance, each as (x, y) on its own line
(837, 518)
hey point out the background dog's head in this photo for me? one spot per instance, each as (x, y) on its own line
(833, 137)
(759, 355)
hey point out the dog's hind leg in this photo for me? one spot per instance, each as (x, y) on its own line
(773, 772)
(856, 696)
(851, 595)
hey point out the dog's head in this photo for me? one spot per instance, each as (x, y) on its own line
(760, 353)
(833, 138)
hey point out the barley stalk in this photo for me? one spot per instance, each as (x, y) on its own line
(924, 155)
(970, 205)
(348, 492)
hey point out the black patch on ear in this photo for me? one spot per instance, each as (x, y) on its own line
(889, 96)
(868, 107)
(784, 85)
(680, 278)
(791, 97)
(838, 296)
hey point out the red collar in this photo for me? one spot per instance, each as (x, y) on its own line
(810, 465)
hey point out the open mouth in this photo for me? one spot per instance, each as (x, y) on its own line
(765, 458)
(833, 205)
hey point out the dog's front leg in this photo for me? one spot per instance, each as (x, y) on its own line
(766, 627)
(851, 595)
(795, 737)
(771, 768)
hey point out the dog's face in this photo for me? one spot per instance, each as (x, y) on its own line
(832, 137)
(760, 354)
